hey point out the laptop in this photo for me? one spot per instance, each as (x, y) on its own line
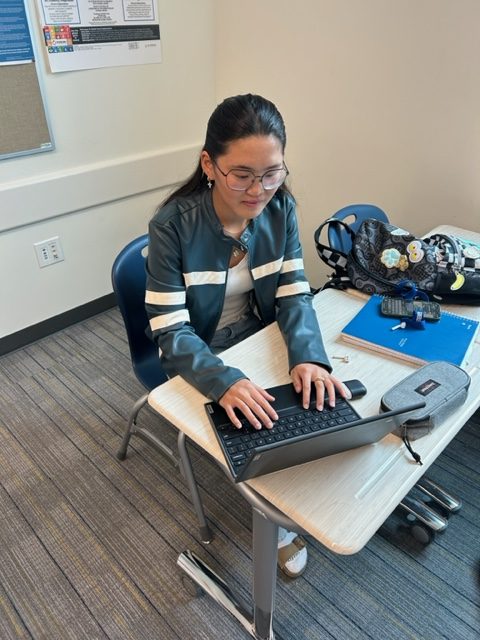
(298, 435)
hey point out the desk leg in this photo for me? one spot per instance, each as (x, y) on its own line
(265, 542)
(211, 583)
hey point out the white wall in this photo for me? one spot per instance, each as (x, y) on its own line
(381, 100)
(123, 135)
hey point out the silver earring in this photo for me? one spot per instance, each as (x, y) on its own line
(209, 183)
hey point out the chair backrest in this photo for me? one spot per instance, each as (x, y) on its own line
(128, 280)
(338, 238)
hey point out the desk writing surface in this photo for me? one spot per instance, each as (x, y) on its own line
(342, 499)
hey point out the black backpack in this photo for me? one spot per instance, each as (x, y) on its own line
(384, 257)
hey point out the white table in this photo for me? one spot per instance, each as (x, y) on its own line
(341, 500)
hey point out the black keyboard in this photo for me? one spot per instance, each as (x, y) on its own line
(295, 422)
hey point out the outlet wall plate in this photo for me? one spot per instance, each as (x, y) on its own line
(49, 251)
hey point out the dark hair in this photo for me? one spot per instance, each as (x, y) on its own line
(234, 118)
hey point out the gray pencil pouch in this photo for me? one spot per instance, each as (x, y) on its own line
(443, 387)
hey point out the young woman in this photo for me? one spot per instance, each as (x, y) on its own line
(224, 260)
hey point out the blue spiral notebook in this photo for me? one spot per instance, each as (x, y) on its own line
(449, 339)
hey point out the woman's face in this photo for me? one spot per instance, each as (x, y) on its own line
(258, 154)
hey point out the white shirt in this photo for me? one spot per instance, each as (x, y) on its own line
(237, 298)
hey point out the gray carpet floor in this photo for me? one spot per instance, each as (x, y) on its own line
(88, 544)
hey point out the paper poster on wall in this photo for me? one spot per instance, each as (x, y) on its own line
(87, 34)
(15, 42)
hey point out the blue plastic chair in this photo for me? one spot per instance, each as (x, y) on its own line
(128, 280)
(354, 215)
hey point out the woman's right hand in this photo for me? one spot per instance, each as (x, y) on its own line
(252, 401)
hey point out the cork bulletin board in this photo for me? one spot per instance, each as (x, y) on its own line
(23, 121)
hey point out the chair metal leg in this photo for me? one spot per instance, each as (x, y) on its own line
(185, 463)
(187, 472)
(130, 430)
(143, 434)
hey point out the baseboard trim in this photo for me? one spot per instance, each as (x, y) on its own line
(47, 327)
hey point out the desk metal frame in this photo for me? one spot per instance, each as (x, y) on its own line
(266, 516)
(266, 520)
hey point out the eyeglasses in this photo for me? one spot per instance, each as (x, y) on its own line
(243, 179)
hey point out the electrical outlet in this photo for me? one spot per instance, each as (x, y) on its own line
(49, 251)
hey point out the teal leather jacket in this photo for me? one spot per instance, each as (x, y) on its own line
(187, 269)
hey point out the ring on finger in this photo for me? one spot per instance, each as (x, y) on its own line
(318, 379)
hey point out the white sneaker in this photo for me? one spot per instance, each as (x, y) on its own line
(292, 553)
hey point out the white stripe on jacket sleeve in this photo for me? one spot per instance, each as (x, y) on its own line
(293, 289)
(165, 298)
(169, 319)
(267, 269)
(296, 264)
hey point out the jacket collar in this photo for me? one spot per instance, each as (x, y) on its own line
(207, 202)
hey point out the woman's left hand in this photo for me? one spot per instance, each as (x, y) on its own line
(306, 374)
